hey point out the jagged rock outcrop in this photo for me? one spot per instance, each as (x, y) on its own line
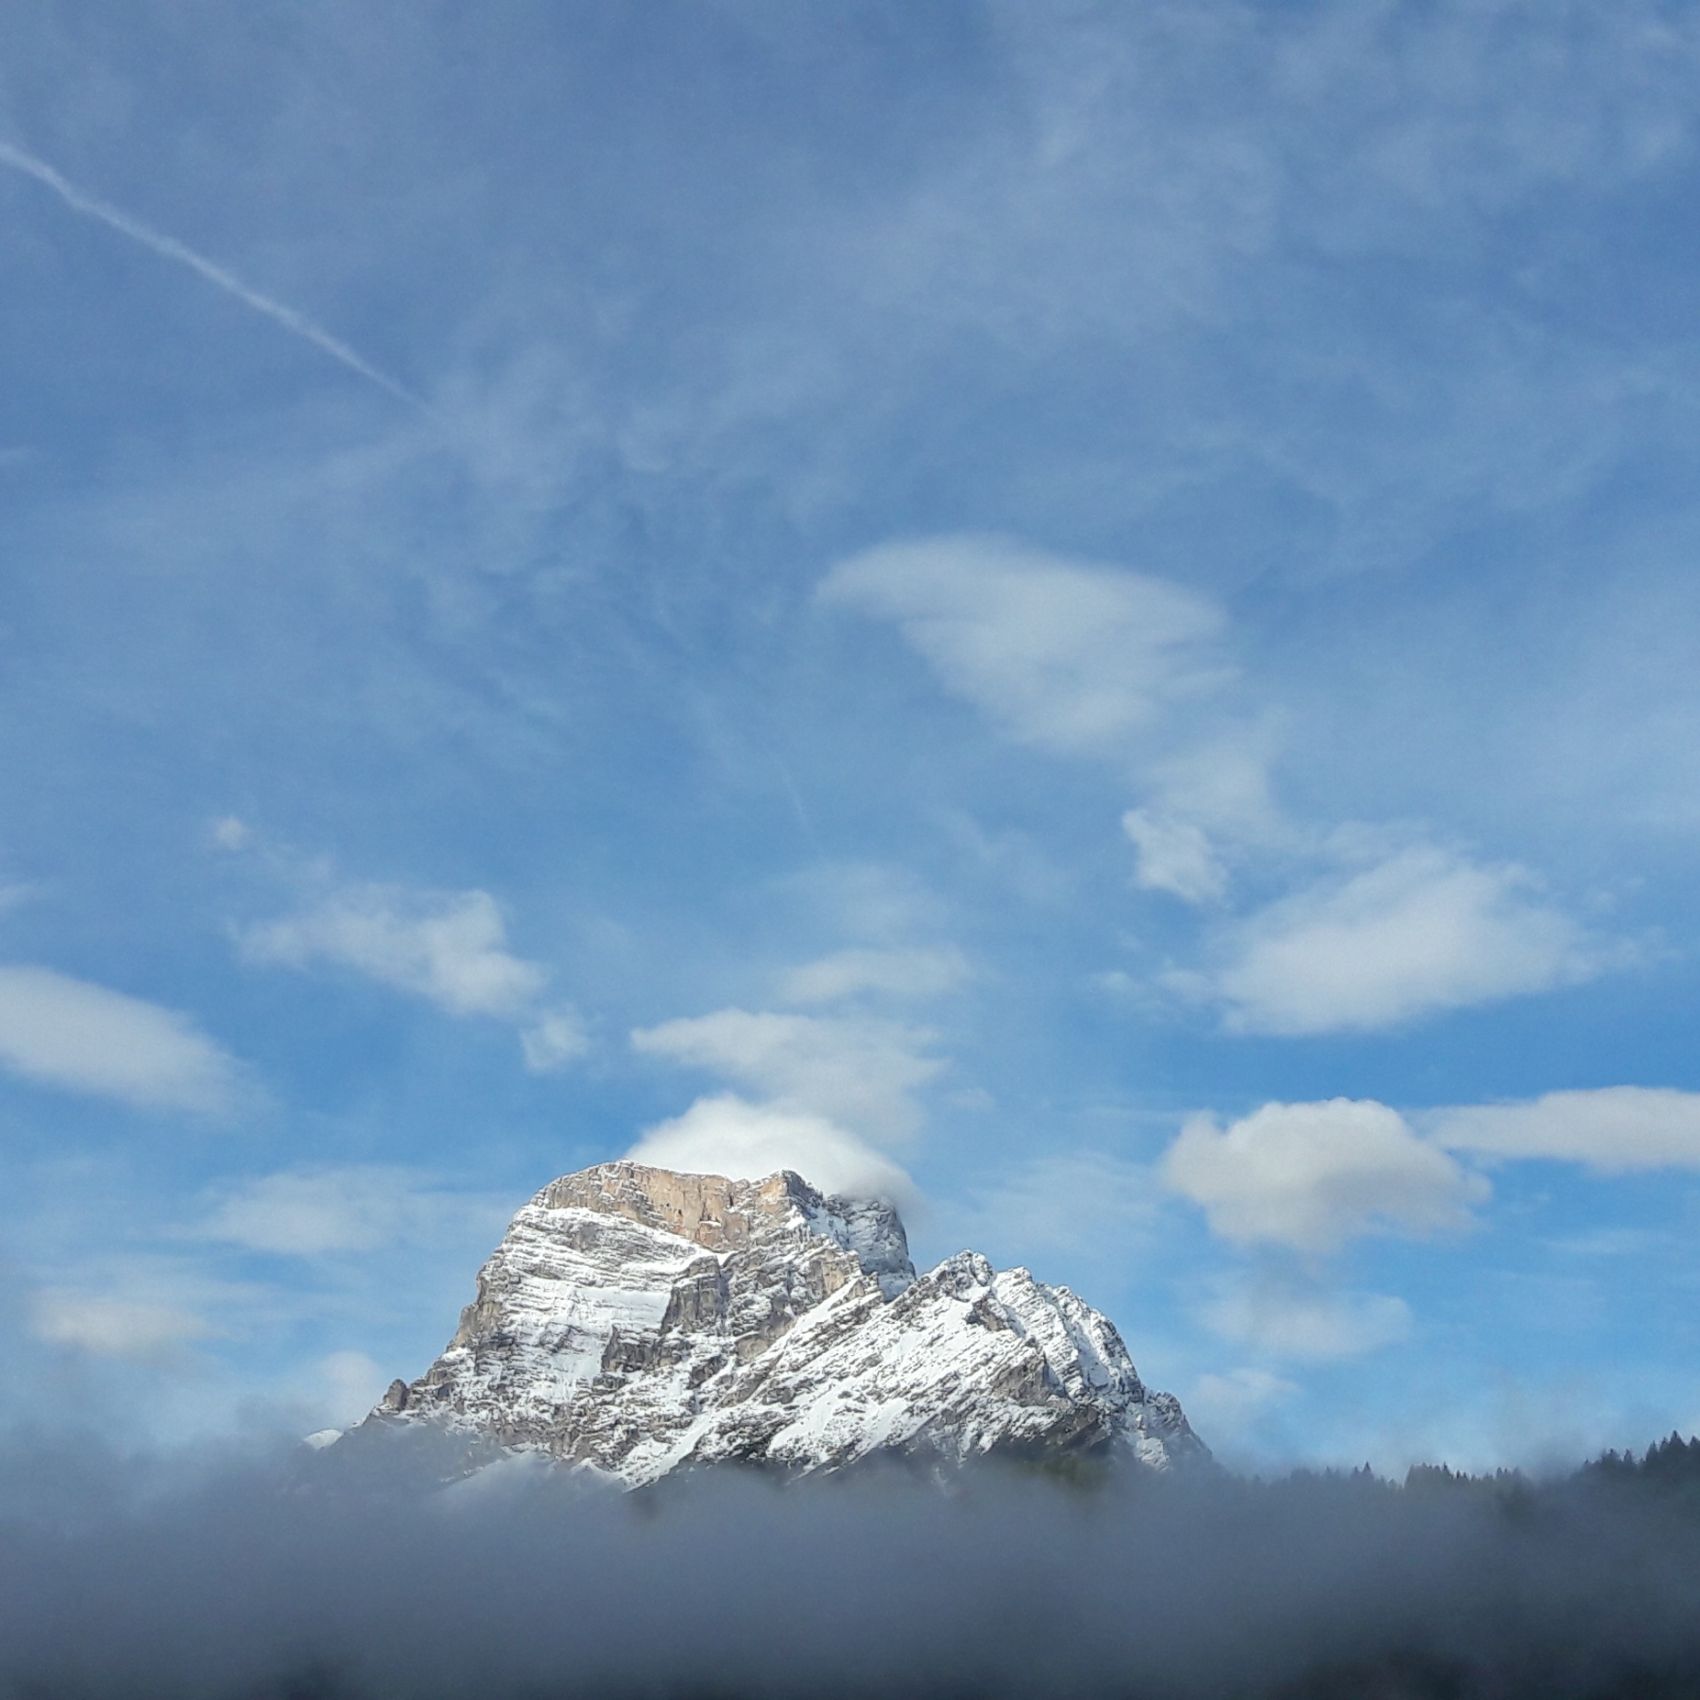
(634, 1320)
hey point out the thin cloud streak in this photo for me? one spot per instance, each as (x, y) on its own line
(168, 247)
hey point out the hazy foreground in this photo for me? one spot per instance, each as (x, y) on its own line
(285, 1577)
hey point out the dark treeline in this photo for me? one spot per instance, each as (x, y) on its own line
(1669, 1467)
(295, 1578)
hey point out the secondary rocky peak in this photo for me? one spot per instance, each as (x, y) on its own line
(636, 1320)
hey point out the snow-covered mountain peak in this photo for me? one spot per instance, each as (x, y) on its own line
(637, 1320)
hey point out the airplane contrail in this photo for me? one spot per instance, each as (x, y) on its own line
(168, 247)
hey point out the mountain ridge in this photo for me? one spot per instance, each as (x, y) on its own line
(635, 1321)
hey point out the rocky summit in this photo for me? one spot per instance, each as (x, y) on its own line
(634, 1321)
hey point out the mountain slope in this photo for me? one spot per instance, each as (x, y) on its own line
(634, 1320)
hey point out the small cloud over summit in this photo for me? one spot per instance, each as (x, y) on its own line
(728, 1135)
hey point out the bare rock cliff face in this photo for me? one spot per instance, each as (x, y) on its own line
(634, 1321)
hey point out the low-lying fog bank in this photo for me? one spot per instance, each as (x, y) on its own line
(278, 1578)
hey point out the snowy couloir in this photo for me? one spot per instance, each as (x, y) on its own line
(635, 1321)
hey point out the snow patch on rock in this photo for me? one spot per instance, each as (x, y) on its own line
(635, 1321)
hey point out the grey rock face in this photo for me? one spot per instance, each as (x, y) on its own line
(634, 1321)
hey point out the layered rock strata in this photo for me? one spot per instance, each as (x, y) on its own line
(635, 1321)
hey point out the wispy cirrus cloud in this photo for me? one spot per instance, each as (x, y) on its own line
(1082, 658)
(1422, 931)
(1612, 1130)
(291, 319)
(554, 1039)
(146, 1306)
(1175, 856)
(1232, 1405)
(115, 1325)
(1289, 1319)
(81, 1037)
(321, 1210)
(1072, 656)
(903, 975)
(449, 948)
(1094, 1206)
(862, 1071)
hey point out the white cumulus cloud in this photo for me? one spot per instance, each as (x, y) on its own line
(1611, 1129)
(1066, 655)
(726, 1135)
(72, 1034)
(1420, 932)
(1312, 1176)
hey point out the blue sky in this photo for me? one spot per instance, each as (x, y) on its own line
(1084, 613)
